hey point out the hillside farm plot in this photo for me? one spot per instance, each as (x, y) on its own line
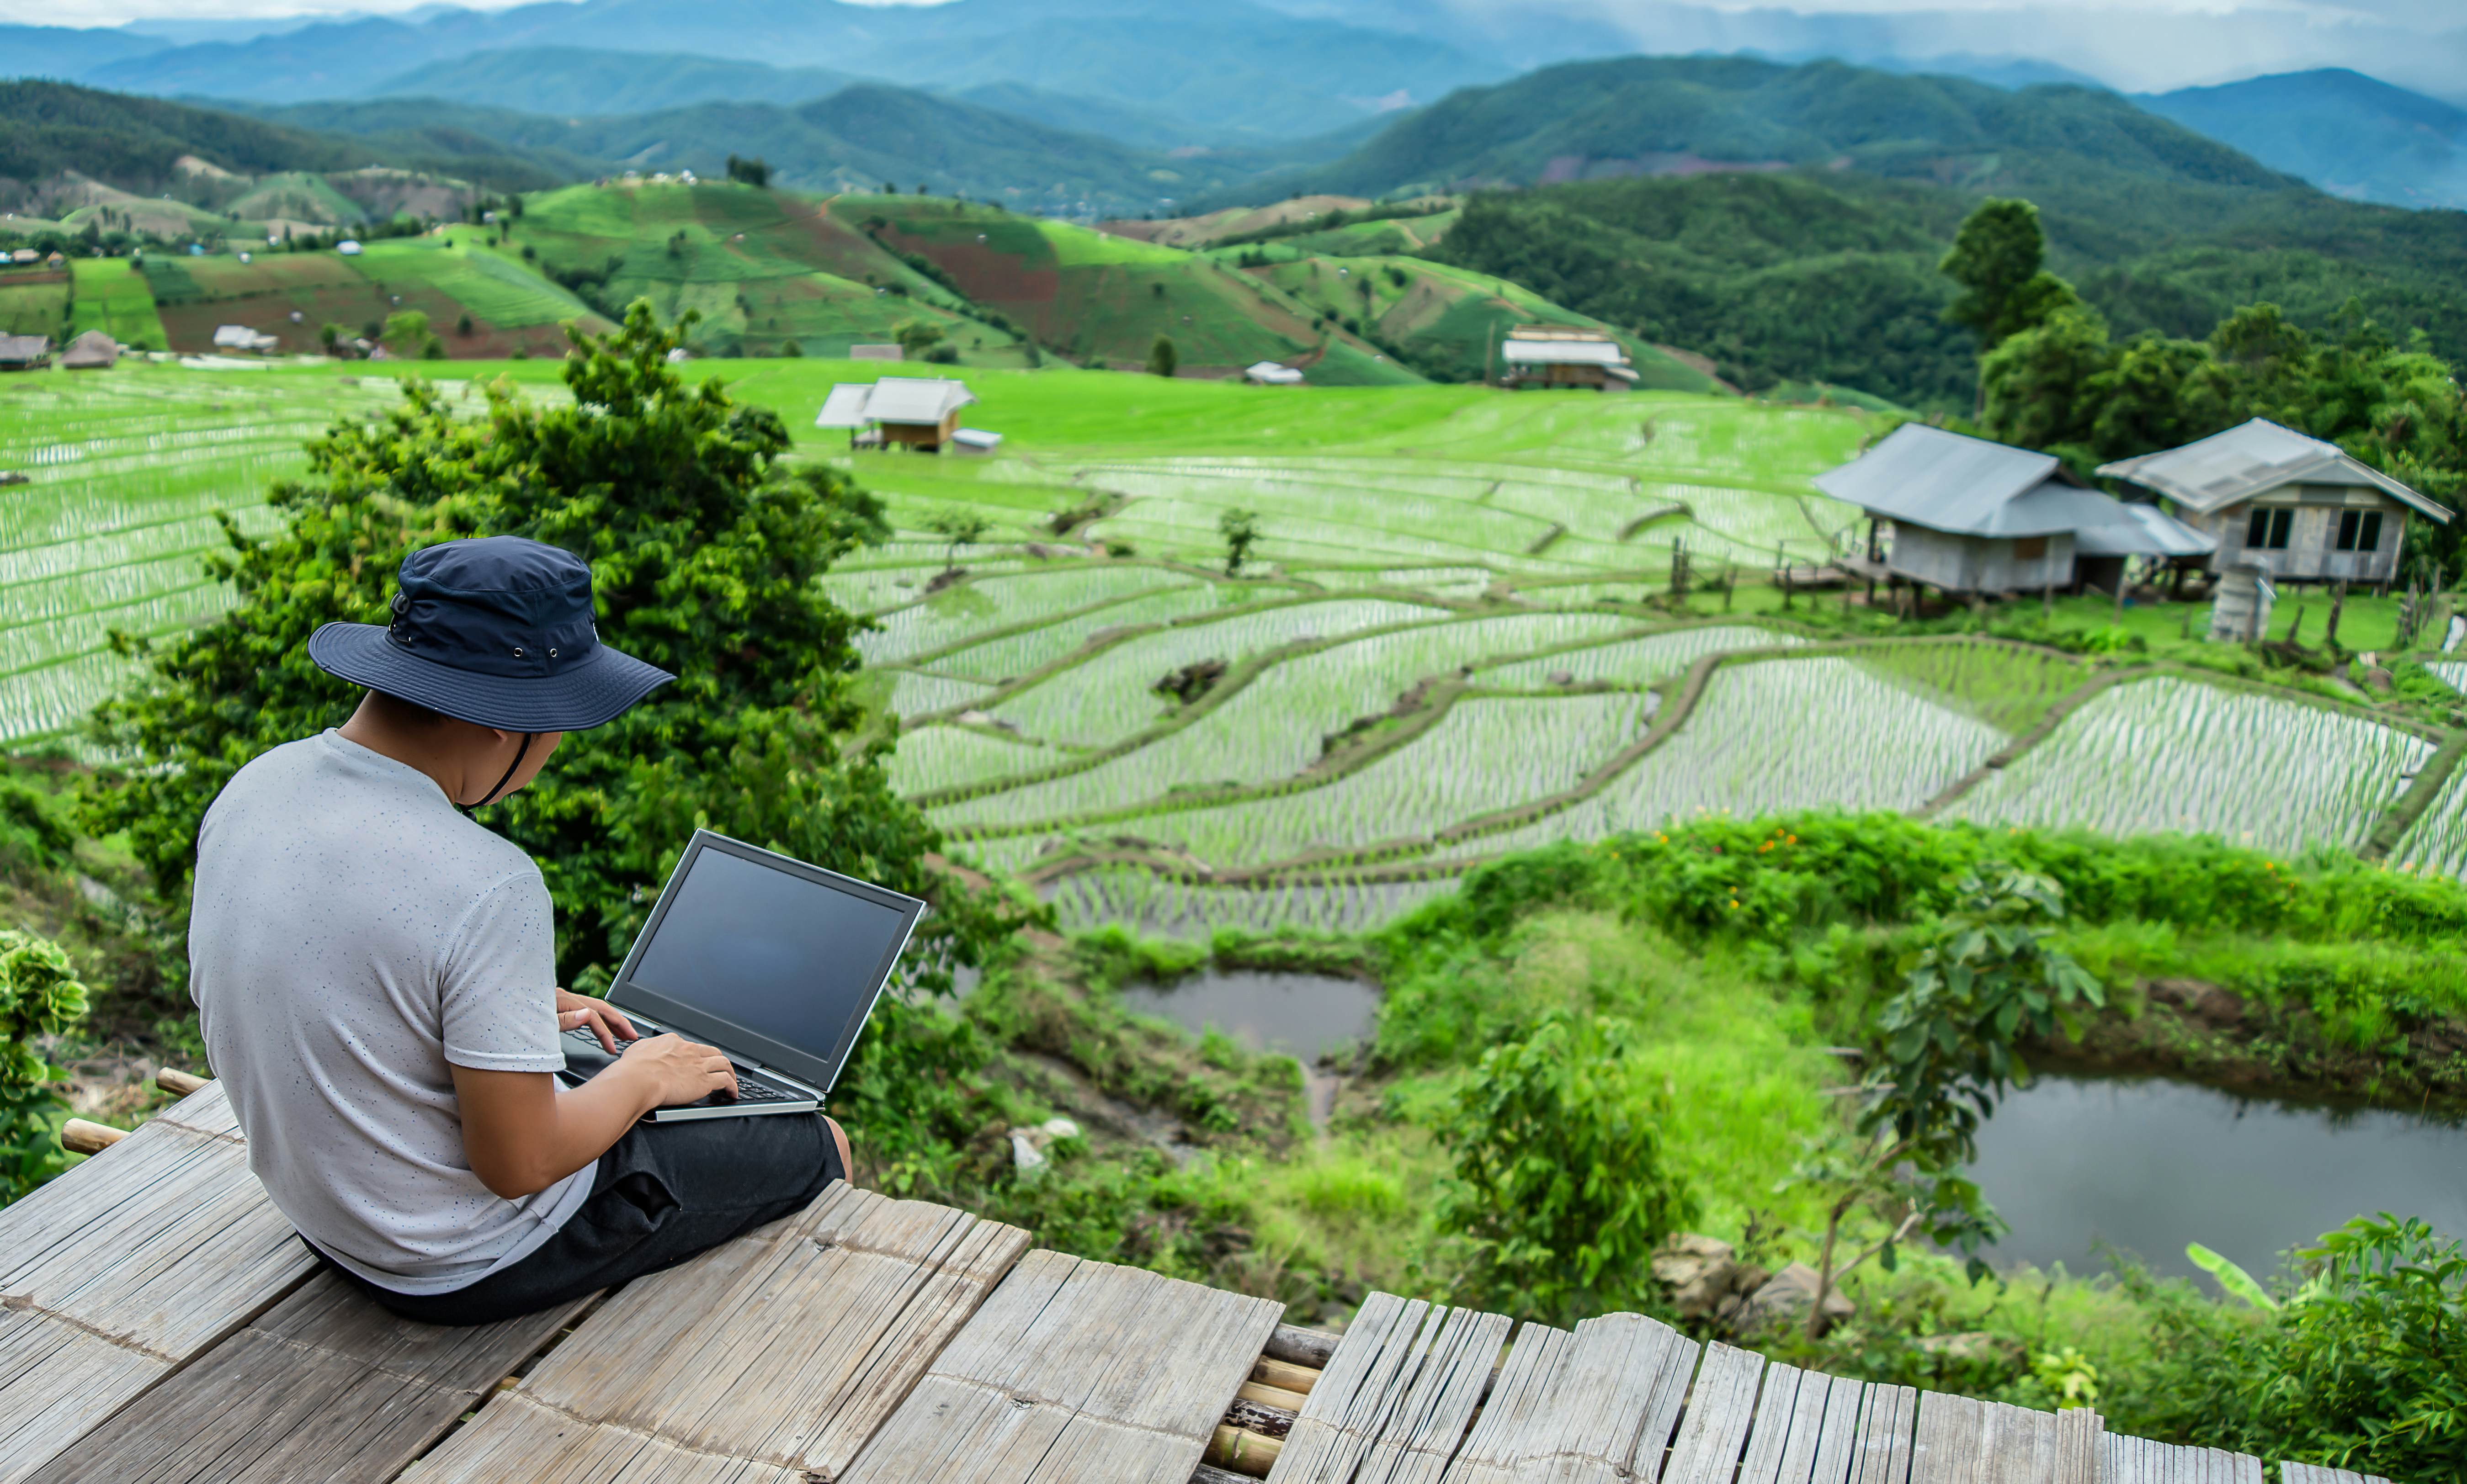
(1272, 727)
(35, 303)
(1485, 754)
(129, 467)
(1633, 661)
(1024, 654)
(1462, 583)
(1161, 907)
(916, 693)
(2437, 840)
(111, 295)
(936, 757)
(1113, 694)
(2007, 687)
(949, 618)
(2166, 753)
(1773, 736)
(449, 281)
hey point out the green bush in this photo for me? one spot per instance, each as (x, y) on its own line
(1558, 1196)
(39, 996)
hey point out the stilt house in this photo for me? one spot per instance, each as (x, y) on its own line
(920, 412)
(1966, 515)
(2294, 506)
(1563, 355)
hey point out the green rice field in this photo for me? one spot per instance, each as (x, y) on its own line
(1436, 652)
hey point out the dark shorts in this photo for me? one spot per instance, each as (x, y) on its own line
(661, 1194)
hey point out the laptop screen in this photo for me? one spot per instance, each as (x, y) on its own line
(780, 961)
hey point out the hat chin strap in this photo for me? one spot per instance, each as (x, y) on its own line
(520, 753)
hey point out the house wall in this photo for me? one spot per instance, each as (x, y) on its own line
(921, 435)
(1979, 564)
(2311, 554)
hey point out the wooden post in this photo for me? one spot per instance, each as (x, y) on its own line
(2338, 601)
(81, 1138)
(2047, 593)
(2295, 623)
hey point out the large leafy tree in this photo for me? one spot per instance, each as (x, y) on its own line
(1999, 259)
(704, 544)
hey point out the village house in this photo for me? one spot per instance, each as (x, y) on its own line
(1564, 357)
(2275, 501)
(92, 351)
(1272, 373)
(1964, 515)
(240, 337)
(24, 352)
(921, 413)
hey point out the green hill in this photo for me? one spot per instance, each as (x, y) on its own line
(1104, 300)
(578, 80)
(1690, 115)
(2349, 134)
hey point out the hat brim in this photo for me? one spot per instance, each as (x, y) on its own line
(595, 690)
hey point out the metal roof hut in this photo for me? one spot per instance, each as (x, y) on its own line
(92, 351)
(923, 413)
(2275, 501)
(1555, 355)
(24, 352)
(1972, 516)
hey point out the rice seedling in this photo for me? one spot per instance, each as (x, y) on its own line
(1633, 661)
(932, 758)
(1021, 654)
(950, 616)
(916, 693)
(1113, 694)
(2437, 840)
(1457, 582)
(1772, 735)
(1274, 727)
(2166, 753)
(1163, 907)
(1484, 755)
(2006, 687)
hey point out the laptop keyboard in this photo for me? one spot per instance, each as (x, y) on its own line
(750, 1088)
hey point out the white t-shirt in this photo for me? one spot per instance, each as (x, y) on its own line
(352, 934)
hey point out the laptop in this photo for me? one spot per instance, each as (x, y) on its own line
(775, 962)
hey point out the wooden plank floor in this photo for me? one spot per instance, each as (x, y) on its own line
(141, 1258)
(774, 1356)
(158, 1323)
(1075, 1372)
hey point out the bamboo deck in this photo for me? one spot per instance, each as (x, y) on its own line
(160, 1322)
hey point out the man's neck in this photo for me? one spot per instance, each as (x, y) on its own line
(432, 751)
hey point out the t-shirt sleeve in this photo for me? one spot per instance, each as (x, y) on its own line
(499, 1000)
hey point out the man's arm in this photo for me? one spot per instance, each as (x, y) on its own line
(523, 1133)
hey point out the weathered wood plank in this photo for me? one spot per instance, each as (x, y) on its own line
(133, 1262)
(1074, 1371)
(1507, 1429)
(1720, 1407)
(325, 1385)
(1945, 1441)
(775, 1356)
(1396, 1397)
(2322, 1473)
(1883, 1453)
(1789, 1423)
(2080, 1434)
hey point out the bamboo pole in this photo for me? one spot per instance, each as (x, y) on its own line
(1284, 1375)
(1243, 1453)
(178, 1083)
(80, 1137)
(1271, 1396)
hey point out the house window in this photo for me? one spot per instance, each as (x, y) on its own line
(2030, 549)
(2269, 528)
(2360, 530)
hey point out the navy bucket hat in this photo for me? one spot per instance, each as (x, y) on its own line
(497, 632)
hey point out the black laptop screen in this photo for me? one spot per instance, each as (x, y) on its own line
(790, 959)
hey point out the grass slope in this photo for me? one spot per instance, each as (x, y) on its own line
(110, 295)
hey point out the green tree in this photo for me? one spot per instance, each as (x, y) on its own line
(1998, 258)
(1986, 979)
(1559, 1195)
(1163, 358)
(957, 528)
(751, 172)
(916, 337)
(705, 544)
(2035, 386)
(39, 996)
(1240, 529)
(406, 332)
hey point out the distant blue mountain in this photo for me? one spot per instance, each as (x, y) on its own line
(2349, 134)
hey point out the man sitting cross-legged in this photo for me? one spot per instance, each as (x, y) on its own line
(375, 975)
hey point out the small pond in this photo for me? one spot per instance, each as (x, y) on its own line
(2148, 1165)
(1300, 1015)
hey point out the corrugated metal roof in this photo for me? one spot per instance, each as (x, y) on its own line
(1273, 373)
(844, 405)
(1968, 486)
(2143, 531)
(2215, 472)
(1564, 353)
(916, 399)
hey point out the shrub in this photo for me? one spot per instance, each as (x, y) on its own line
(1559, 1196)
(39, 996)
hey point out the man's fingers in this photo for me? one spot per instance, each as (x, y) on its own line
(624, 1026)
(600, 1027)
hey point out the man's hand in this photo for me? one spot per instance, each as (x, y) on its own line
(574, 1012)
(684, 1071)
